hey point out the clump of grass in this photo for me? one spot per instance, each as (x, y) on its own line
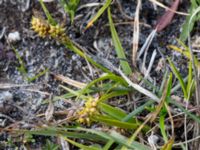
(70, 7)
(117, 128)
(187, 25)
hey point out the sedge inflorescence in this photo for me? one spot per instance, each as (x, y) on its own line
(43, 28)
(89, 110)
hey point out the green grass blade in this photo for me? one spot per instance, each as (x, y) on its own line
(136, 145)
(190, 77)
(92, 90)
(72, 47)
(187, 26)
(114, 112)
(48, 15)
(162, 127)
(109, 77)
(184, 33)
(90, 134)
(70, 7)
(184, 51)
(118, 138)
(118, 47)
(22, 68)
(137, 111)
(111, 95)
(163, 111)
(163, 82)
(38, 75)
(169, 87)
(105, 87)
(108, 144)
(58, 131)
(192, 116)
(117, 123)
(178, 76)
(76, 93)
(99, 13)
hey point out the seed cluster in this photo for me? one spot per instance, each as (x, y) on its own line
(43, 28)
(89, 110)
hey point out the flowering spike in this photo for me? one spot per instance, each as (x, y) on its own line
(43, 28)
(40, 26)
(90, 109)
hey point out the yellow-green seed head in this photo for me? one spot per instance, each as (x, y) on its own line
(43, 28)
(92, 110)
(40, 26)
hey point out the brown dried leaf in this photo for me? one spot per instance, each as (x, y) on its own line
(69, 81)
(166, 19)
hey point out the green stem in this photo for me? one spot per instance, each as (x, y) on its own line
(72, 47)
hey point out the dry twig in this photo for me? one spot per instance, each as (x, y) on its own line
(136, 32)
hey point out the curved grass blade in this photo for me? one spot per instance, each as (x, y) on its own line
(137, 111)
(99, 13)
(112, 94)
(70, 7)
(117, 123)
(118, 138)
(194, 117)
(137, 145)
(109, 77)
(62, 131)
(162, 127)
(178, 76)
(118, 47)
(30, 79)
(108, 144)
(48, 15)
(116, 113)
(189, 26)
(163, 112)
(76, 50)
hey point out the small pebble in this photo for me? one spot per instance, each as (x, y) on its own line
(5, 96)
(14, 37)
(25, 5)
(153, 139)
